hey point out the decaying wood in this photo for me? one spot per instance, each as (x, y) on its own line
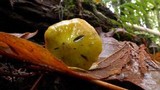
(30, 15)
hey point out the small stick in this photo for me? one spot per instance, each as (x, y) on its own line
(36, 83)
(140, 28)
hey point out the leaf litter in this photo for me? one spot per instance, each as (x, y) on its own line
(27, 51)
(128, 63)
(124, 61)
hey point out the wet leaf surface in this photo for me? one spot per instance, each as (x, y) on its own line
(129, 63)
(110, 46)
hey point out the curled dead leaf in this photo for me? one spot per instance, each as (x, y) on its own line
(29, 51)
(25, 35)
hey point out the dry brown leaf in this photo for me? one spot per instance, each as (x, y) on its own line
(113, 64)
(31, 52)
(110, 46)
(28, 51)
(130, 63)
(25, 35)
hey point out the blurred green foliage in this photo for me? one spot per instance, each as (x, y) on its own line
(145, 13)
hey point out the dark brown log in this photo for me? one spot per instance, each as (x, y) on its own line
(30, 15)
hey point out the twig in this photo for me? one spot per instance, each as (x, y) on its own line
(36, 83)
(136, 27)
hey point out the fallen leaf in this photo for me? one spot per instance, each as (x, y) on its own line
(110, 46)
(25, 50)
(25, 35)
(113, 64)
(28, 51)
(129, 63)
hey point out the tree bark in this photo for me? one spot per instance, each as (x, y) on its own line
(30, 15)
